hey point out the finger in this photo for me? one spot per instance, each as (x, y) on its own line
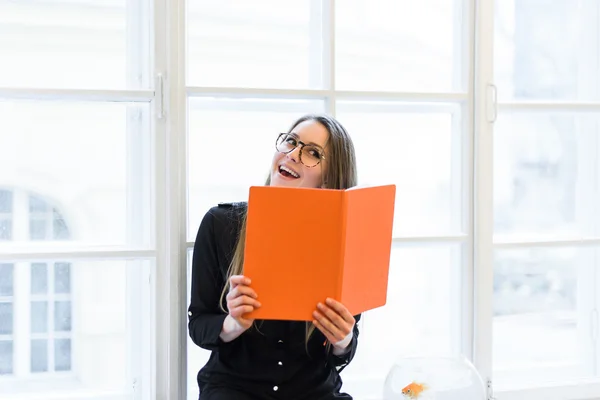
(341, 310)
(235, 280)
(336, 333)
(328, 334)
(243, 300)
(333, 316)
(239, 312)
(241, 290)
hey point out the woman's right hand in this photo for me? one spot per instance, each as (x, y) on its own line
(241, 300)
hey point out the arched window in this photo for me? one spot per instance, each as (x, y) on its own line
(35, 297)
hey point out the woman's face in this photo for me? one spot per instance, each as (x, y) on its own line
(288, 170)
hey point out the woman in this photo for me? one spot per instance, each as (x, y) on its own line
(271, 359)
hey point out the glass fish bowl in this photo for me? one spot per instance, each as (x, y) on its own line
(429, 378)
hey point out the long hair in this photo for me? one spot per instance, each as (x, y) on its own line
(340, 173)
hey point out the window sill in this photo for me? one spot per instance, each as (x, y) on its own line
(580, 390)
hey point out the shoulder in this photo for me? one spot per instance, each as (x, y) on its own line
(224, 215)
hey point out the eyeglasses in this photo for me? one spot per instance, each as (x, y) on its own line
(310, 155)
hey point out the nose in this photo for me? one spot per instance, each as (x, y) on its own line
(294, 155)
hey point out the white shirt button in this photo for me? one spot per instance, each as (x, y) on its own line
(275, 388)
(280, 341)
(190, 313)
(280, 363)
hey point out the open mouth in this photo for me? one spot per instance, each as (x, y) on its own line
(287, 172)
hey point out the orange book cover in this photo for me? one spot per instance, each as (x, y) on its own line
(304, 245)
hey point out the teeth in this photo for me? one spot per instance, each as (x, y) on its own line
(292, 173)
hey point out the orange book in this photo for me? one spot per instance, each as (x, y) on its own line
(304, 245)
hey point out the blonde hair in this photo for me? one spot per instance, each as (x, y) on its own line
(340, 173)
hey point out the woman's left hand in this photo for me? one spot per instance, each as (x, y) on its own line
(334, 320)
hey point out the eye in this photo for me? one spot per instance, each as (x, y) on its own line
(290, 140)
(314, 153)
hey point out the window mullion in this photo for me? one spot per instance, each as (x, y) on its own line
(170, 212)
(328, 59)
(483, 190)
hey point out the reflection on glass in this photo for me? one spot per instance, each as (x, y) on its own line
(6, 357)
(544, 174)
(6, 318)
(62, 354)
(62, 277)
(62, 316)
(546, 52)
(39, 316)
(39, 278)
(539, 329)
(6, 279)
(6, 201)
(39, 355)
(5, 229)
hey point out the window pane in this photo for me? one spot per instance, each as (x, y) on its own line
(6, 201)
(541, 324)
(38, 229)
(62, 278)
(400, 45)
(60, 231)
(6, 318)
(62, 355)
(37, 205)
(39, 355)
(247, 129)
(546, 52)
(263, 43)
(421, 316)
(39, 278)
(74, 44)
(544, 175)
(5, 229)
(418, 149)
(101, 178)
(62, 316)
(6, 357)
(6, 279)
(39, 316)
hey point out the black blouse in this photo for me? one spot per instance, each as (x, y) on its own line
(271, 360)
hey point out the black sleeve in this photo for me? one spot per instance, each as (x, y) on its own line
(205, 318)
(342, 361)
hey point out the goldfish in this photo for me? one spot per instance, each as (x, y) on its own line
(413, 390)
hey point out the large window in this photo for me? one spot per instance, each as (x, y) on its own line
(123, 121)
(77, 248)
